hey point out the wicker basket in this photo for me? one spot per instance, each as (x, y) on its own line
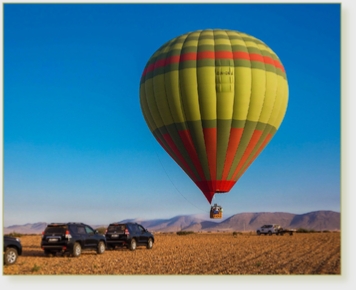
(216, 215)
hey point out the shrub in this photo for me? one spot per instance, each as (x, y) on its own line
(15, 235)
(302, 230)
(184, 233)
(35, 268)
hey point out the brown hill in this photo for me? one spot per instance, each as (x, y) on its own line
(35, 228)
(318, 220)
(251, 221)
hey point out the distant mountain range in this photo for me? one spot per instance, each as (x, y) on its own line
(317, 220)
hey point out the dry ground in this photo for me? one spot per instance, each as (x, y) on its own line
(194, 254)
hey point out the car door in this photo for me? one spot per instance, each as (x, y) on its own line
(263, 229)
(79, 234)
(90, 237)
(142, 233)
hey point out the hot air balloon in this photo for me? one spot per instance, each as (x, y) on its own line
(214, 99)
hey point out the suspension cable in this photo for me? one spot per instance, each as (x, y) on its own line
(176, 186)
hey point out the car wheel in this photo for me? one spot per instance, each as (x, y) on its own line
(101, 247)
(133, 245)
(149, 244)
(77, 250)
(258, 233)
(10, 256)
(270, 233)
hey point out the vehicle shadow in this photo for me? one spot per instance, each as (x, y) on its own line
(125, 249)
(32, 253)
(40, 253)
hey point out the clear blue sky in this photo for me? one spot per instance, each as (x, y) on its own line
(76, 146)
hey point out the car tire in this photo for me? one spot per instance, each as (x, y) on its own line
(77, 250)
(133, 245)
(269, 233)
(258, 233)
(101, 248)
(149, 243)
(10, 257)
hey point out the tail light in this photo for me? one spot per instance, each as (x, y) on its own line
(127, 232)
(68, 235)
(42, 235)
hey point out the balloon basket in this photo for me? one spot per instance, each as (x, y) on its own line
(216, 215)
(216, 212)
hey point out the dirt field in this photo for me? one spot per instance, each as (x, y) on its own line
(194, 254)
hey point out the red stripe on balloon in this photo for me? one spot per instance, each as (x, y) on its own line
(210, 135)
(189, 56)
(234, 141)
(189, 146)
(210, 187)
(252, 144)
(180, 158)
(206, 55)
(263, 145)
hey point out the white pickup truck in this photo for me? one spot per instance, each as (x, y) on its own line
(268, 229)
(274, 229)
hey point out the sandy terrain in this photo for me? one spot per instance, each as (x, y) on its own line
(194, 254)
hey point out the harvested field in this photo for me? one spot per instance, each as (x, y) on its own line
(194, 254)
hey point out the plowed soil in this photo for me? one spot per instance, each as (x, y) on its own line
(194, 254)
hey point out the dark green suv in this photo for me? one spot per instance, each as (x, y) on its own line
(71, 238)
(130, 235)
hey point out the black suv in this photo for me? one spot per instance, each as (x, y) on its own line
(128, 235)
(71, 238)
(12, 249)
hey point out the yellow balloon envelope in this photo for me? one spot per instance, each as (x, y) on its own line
(214, 99)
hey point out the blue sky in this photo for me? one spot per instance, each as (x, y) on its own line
(76, 146)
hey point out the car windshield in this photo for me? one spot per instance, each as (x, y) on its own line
(55, 230)
(116, 228)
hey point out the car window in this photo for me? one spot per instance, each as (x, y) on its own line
(136, 229)
(141, 229)
(73, 229)
(89, 230)
(54, 230)
(117, 228)
(80, 230)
